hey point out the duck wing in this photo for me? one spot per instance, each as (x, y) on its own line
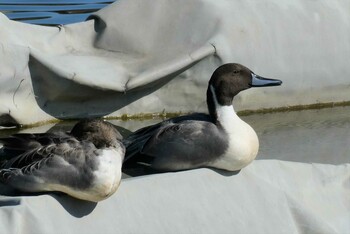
(37, 162)
(135, 142)
(185, 145)
(21, 149)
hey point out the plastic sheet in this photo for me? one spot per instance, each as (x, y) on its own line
(157, 55)
(160, 55)
(268, 196)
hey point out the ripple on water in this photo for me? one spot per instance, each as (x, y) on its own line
(51, 12)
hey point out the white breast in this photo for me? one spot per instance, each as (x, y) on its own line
(243, 143)
(108, 175)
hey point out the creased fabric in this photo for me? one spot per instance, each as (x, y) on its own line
(150, 56)
(268, 196)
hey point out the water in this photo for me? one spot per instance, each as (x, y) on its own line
(311, 136)
(51, 12)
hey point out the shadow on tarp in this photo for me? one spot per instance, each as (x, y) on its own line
(75, 207)
(140, 169)
(66, 99)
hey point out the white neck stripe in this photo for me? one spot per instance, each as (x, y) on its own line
(216, 103)
(225, 114)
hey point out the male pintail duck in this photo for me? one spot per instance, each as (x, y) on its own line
(85, 163)
(218, 140)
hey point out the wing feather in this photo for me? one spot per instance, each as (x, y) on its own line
(23, 150)
(136, 141)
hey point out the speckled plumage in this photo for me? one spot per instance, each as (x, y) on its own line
(66, 162)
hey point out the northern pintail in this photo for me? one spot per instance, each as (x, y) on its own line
(219, 140)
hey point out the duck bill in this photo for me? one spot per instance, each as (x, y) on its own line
(258, 81)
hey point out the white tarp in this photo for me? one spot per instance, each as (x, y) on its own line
(268, 196)
(138, 56)
(147, 56)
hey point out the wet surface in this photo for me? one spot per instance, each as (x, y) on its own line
(312, 136)
(51, 12)
(316, 136)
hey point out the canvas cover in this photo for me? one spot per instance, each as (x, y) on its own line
(148, 56)
(268, 196)
(151, 56)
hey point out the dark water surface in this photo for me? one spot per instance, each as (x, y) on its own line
(51, 12)
(312, 136)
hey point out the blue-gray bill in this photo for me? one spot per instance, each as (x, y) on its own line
(258, 81)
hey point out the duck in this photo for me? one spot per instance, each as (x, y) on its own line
(219, 139)
(84, 163)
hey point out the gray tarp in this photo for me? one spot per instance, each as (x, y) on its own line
(268, 196)
(136, 54)
(134, 57)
